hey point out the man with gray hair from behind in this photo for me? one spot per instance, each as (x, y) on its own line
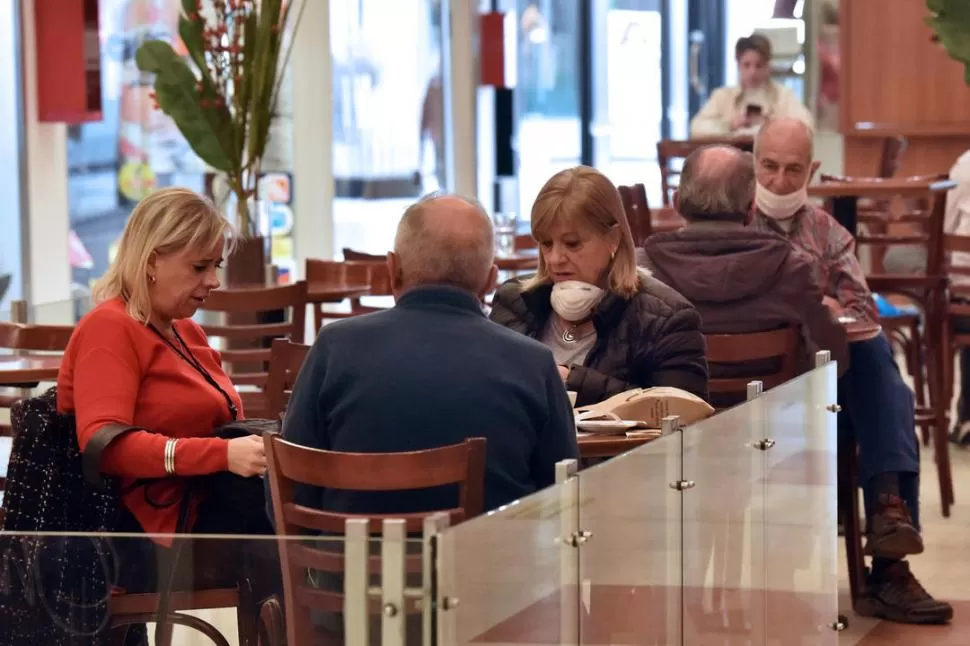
(739, 279)
(433, 371)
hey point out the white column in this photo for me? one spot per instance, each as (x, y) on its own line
(46, 221)
(312, 136)
(461, 97)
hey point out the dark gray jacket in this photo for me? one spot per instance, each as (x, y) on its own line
(431, 372)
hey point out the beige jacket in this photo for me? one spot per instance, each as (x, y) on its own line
(776, 100)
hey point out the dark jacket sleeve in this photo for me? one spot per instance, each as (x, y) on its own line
(592, 386)
(506, 305)
(676, 353)
(820, 326)
(557, 439)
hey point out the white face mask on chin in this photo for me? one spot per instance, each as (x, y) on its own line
(574, 300)
(779, 207)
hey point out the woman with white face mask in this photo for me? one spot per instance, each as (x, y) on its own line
(610, 326)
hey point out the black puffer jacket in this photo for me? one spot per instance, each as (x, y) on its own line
(652, 339)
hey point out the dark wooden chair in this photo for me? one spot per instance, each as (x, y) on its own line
(380, 278)
(773, 354)
(925, 346)
(958, 305)
(524, 241)
(22, 337)
(637, 210)
(247, 360)
(462, 464)
(669, 151)
(334, 274)
(285, 361)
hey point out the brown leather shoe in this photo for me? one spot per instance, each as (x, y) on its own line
(892, 534)
(898, 596)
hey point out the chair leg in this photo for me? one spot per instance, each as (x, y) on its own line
(915, 353)
(938, 338)
(848, 495)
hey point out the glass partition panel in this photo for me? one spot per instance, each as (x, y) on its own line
(237, 590)
(801, 555)
(510, 576)
(66, 312)
(630, 569)
(724, 531)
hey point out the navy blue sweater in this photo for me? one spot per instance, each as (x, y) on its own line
(431, 372)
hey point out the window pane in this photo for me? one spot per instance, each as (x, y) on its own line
(10, 180)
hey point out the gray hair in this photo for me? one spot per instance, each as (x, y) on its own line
(716, 183)
(458, 250)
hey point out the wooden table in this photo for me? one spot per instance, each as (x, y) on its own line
(845, 195)
(608, 446)
(29, 368)
(521, 260)
(665, 219)
(318, 294)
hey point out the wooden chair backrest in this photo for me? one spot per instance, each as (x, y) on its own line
(924, 214)
(289, 464)
(891, 156)
(285, 361)
(249, 344)
(637, 211)
(351, 254)
(37, 338)
(952, 244)
(524, 241)
(782, 344)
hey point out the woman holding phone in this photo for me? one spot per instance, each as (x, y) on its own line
(741, 110)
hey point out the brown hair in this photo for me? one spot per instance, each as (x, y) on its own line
(753, 43)
(585, 197)
(167, 221)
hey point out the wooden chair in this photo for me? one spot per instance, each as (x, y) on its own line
(285, 360)
(670, 150)
(524, 241)
(637, 211)
(247, 362)
(774, 354)
(462, 464)
(960, 307)
(920, 335)
(323, 274)
(380, 278)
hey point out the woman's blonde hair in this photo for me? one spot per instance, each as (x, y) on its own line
(169, 220)
(586, 198)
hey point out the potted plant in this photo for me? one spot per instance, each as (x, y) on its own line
(950, 23)
(225, 100)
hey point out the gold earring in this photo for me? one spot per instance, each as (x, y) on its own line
(151, 279)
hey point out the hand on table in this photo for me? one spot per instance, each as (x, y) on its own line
(833, 306)
(563, 372)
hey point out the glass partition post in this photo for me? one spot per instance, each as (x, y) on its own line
(724, 557)
(356, 583)
(630, 567)
(574, 537)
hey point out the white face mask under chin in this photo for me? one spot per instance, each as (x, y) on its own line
(574, 300)
(779, 207)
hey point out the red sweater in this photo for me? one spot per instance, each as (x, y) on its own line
(116, 369)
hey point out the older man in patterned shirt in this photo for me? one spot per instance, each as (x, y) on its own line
(878, 404)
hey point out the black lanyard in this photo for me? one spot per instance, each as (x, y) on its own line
(190, 359)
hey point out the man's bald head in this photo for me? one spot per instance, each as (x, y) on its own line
(783, 153)
(785, 134)
(716, 183)
(444, 240)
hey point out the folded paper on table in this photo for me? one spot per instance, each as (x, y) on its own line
(648, 407)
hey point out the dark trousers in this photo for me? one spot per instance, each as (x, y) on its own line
(961, 325)
(879, 409)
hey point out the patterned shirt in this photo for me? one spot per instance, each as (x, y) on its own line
(832, 251)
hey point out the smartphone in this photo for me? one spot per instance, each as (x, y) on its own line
(752, 110)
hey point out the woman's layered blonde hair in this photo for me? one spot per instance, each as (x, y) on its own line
(169, 220)
(584, 198)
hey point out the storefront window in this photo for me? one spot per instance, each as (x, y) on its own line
(11, 124)
(135, 149)
(388, 115)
